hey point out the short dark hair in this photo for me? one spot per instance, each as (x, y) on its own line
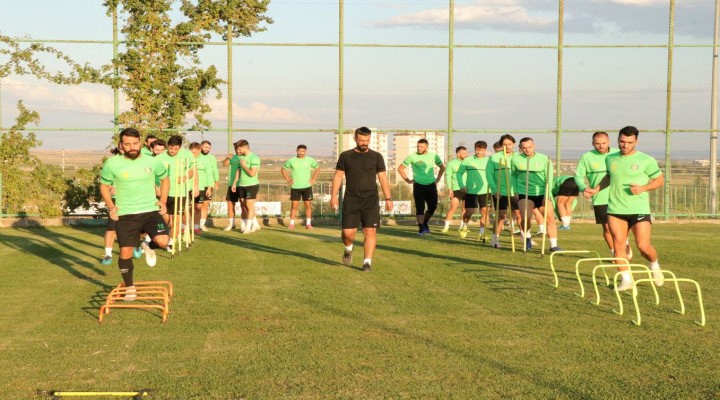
(600, 133)
(423, 141)
(194, 145)
(629, 131)
(205, 141)
(175, 140)
(158, 142)
(241, 143)
(526, 139)
(151, 136)
(481, 144)
(497, 146)
(301, 146)
(506, 136)
(457, 149)
(115, 151)
(132, 132)
(363, 131)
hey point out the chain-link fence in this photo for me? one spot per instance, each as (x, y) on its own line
(466, 71)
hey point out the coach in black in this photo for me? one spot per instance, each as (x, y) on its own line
(361, 204)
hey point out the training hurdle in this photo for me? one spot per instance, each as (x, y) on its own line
(601, 260)
(563, 252)
(644, 269)
(150, 295)
(57, 394)
(674, 279)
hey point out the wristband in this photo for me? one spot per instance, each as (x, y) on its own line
(388, 199)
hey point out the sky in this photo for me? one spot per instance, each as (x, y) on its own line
(407, 88)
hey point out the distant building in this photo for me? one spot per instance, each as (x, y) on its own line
(405, 143)
(378, 142)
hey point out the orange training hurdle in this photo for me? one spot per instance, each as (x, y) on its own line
(150, 294)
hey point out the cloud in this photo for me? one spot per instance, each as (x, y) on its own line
(256, 112)
(94, 99)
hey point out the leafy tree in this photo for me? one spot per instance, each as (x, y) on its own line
(159, 73)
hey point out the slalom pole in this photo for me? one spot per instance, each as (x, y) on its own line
(482, 216)
(192, 205)
(176, 206)
(186, 166)
(545, 212)
(497, 206)
(509, 208)
(527, 203)
(181, 185)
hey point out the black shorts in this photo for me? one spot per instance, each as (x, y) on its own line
(200, 198)
(304, 194)
(504, 202)
(247, 192)
(459, 194)
(601, 215)
(111, 225)
(180, 204)
(129, 227)
(632, 219)
(538, 201)
(231, 196)
(477, 200)
(208, 197)
(357, 211)
(569, 188)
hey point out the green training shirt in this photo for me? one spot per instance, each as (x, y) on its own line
(540, 172)
(173, 164)
(251, 160)
(214, 173)
(423, 166)
(475, 171)
(301, 170)
(234, 165)
(639, 169)
(146, 152)
(204, 175)
(498, 174)
(592, 166)
(134, 182)
(452, 181)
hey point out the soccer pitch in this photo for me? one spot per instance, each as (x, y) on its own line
(275, 314)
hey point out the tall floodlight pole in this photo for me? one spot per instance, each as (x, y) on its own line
(668, 112)
(451, 66)
(713, 117)
(341, 77)
(116, 95)
(230, 148)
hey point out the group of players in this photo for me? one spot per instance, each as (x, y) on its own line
(144, 187)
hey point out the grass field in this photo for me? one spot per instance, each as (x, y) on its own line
(275, 315)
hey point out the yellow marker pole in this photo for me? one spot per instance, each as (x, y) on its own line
(525, 229)
(175, 218)
(180, 189)
(545, 213)
(497, 206)
(192, 205)
(188, 199)
(509, 207)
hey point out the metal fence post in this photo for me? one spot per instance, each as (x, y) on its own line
(559, 94)
(668, 109)
(451, 66)
(713, 118)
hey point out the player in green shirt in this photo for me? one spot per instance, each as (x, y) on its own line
(531, 177)
(565, 192)
(424, 183)
(592, 167)
(453, 188)
(475, 187)
(203, 181)
(147, 149)
(179, 164)
(499, 178)
(246, 185)
(300, 172)
(632, 175)
(213, 185)
(135, 207)
(231, 197)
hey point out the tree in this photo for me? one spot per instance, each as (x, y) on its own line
(153, 70)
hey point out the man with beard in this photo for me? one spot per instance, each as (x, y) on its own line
(135, 207)
(213, 181)
(424, 183)
(178, 162)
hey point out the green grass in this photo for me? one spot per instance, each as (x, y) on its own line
(274, 315)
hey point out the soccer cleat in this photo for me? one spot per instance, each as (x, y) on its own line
(516, 232)
(347, 257)
(204, 228)
(624, 285)
(150, 256)
(230, 227)
(169, 248)
(426, 230)
(254, 226)
(421, 233)
(484, 238)
(308, 226)
(658, 277)
(528, 244)
(445, 229)
(366, 267)
(564, 228)
(628, 252)
(137, 252)
(130, 294)
(556, 248)
(291, 226)
(496, 245)
(197, 231)
(539, 233)
(107, 260)
(464, 232)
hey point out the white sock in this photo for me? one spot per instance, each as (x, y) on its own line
(349, 248)
(654, 265)
(612, 252)
(202, 221)
(627, 242)
(254, 222)
(541, 228)
(447, 223)
(553, 242)
(367, 261)
(482, 231)
(108, 251)
(170, 242)
(245, 223)
(494, 238)
(307, 221)
(626, 277)
(292, 221)
(565, 221)
(148, 239)
(196, 226)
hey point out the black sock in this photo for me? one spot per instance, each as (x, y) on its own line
(421, 227)
(154, 245)
(126, 270)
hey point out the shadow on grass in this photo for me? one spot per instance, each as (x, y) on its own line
(65, 257)
(432, 341)
(98, 299)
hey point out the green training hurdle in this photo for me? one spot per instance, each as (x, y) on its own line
(676, 281)
(598, 259)
(552, 256)
(644, 269)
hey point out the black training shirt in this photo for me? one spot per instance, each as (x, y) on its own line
(360, 170)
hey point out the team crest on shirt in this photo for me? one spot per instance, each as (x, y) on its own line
(595, 165)
(635, 167)
(538, 164)
(148, 170)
